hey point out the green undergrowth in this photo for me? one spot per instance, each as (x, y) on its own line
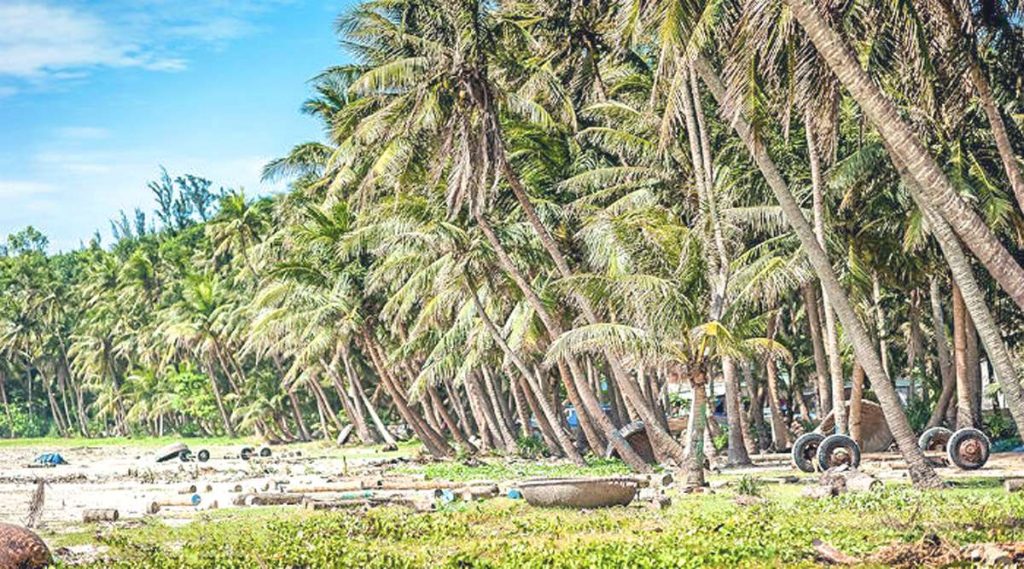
(708, 530)
(514, 470)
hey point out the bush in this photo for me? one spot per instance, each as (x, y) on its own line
(22, 425)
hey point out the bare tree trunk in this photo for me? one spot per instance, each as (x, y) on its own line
(293, 402)
(228, 427)
(695, 434)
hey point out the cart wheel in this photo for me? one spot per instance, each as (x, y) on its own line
(837, 450)
(934, 438)
(805, 449)
(245, 453)
(968, 449)
(265, 452)
(185, 455)
(203, 455)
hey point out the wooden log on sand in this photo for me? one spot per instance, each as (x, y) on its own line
(156, 505)
(274, 499)
(347, 486)
(318, 505)
(190, 489)
(100, 515)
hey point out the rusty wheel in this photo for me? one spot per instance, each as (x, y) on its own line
(805, 449)
(934, 438)
(968, 449)
(837, 450)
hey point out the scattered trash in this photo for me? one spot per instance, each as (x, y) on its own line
(50, 459)
(514, 494)
(100, 515)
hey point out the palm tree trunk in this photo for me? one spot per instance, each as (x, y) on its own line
(661, 441)
(434, 442)
(979, 80)
(228, 427)
(921, 473)
(973, 300)
(821, 376)
(356, 386)
(737, 451)
(857, 404)
(883, 344)
(835, 363)
(7, 405)
(493, 410)
(935, 188)
(945, 362)
(695, 435)
(300, 423)
(449, 421)
(590, 405)
(533, 382)
(779, 432)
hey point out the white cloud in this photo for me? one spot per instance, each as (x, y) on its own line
(20, 189)
(38, 39)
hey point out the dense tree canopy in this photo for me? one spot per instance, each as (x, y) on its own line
(523, 212)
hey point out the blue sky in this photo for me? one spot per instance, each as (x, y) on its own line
(96, 96)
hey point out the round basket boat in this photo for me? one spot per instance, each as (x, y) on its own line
(579, 492)
(874, 430)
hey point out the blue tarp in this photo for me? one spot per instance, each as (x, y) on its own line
(50, 458)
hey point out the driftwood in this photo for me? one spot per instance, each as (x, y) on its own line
(832, 555)
(190, 489)
(348, 486)
(100, 515)
(157, 505)
(274, 499)
(477, 492)
(336, 504)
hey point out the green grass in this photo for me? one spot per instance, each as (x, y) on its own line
(696, 531)
(498, 469)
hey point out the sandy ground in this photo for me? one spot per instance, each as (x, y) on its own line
(129, 479)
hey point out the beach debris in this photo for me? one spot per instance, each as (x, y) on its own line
(21, 548)
(171, 451)
(49, 459)
(156, 505)
(100, 515)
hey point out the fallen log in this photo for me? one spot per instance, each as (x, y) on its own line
(336, 504)
(328, 488)
(156, 505)
(100, 515)
(274, 499)
(1013, 484)
(190, 489)
(477, 492)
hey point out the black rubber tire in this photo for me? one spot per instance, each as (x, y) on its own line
(833, 443)
(170, 451)
(265, 452)
(956, 451)
(203, 455)
(185, 456)
(246, 453)
(934, 438)
(805, 451)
